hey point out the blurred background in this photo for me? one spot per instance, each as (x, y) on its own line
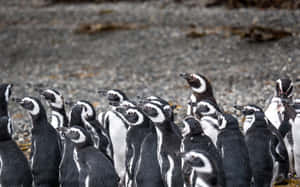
(140, 47)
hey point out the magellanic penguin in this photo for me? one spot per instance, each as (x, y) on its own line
(56, 102)
(5, 93)
(139, 128)
(14, 167)
(232, 146)
(296, 137)
(45, 153)
(200, 169)
(210, 117)
(99, 135)
(201, 89)
(264, 151)
(68, 170)
(95, 169)
(168, 145)
(195, 139)
(116, 127)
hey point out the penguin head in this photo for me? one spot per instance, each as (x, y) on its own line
(197, 82)
(88, 110)
(229, 122)
(198, 161)
(6, 129)
(115, 97)
(248, 109)
(75, 117)
(191, 126)
(207, 108)
(32, 105)
(5, 92)
(169, 110)
(53, 98)
(131, 115)
(155, 113)
(284, 87)
(78, 135)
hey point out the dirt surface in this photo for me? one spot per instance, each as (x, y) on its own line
(38, 48)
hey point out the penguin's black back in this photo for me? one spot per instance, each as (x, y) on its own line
(14, 166)
(69, 172)
(232, 147)
(45, 151)
(148, 173)
(98, 167)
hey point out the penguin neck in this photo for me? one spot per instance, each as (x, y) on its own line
(202, 96)
(62, 113)
(40, 120)
(3, 108)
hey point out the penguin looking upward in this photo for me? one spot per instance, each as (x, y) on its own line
(194, 138)
(168, 145)
(95, 169)
(232, 146)
(45, 148)
(199, 169)
(56, 102)
(266, 156)
(201, 89)
(5, 93)
(98, 133)
(139, 128)
(14, 166)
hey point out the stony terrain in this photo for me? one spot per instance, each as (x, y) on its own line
(39, 49)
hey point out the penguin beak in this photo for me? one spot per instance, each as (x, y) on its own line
(186, 76)
(102, 92)
(16, 100)
(39, 90)
(69, 103)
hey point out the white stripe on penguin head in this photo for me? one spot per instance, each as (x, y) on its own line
(89, 109)
(186, 130)
(81, 138)
(211, 108)
(7, 92)
(160, 115)
(59, 103)
(202, 87)
(36, 107)
(113, 92)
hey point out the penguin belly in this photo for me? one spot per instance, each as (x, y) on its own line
(15, 171)
(296, 139)
(117, 133)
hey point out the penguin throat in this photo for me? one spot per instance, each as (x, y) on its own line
(3, 109)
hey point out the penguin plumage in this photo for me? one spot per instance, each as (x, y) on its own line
(95, 169)
(199, 169)
(168, 145)
(201, 89)
(139, 127)
(5, 93)
(264, 154)
(99, 135)
(45, 148)
(14, 168)
(195, 139)
(296, 137)
(232, 147)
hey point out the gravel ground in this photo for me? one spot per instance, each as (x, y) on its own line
(38, 48)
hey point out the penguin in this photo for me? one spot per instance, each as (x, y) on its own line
(232, 146)
(69, 174)
(99, 135)
(45, 151)
(137, 131)
(210, 117)
(58, 114)
(195, 139)
(14, 167)
(201, 89)
(250, 111)
(5, 93)
(199, 169)
(296, 137)
(116, 127)
(168, 145)
(94, 168)
(264, 148)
